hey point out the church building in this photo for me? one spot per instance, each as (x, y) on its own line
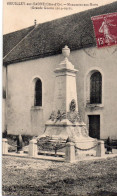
(30, 57)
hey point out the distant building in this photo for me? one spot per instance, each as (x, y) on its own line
(30, 58)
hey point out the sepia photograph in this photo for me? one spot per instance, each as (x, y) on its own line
(59, 98)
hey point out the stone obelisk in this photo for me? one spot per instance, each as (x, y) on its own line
(65, 84)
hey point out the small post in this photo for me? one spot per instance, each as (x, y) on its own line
(100, 150)
(33, 148)
(70, 152)
(4, 146)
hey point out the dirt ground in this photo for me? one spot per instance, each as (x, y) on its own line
(31, 177)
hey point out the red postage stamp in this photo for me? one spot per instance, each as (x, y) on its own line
(105, 28)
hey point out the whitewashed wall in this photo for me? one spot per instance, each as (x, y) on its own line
(22, 117)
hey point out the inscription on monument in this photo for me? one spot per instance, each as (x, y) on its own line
(60, 90)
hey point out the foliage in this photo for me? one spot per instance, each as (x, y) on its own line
(57, 116)
(12, 138)
(12, 141)
(46, 143)
(26, 139)
(72, 116)
(4, 134)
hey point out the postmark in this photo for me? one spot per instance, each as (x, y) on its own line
(100, 54)
(105, 29)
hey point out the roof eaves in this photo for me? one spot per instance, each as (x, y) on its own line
(43, 55)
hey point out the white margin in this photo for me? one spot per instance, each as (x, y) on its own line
(1, 53)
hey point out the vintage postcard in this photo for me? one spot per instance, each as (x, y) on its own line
(59, 98)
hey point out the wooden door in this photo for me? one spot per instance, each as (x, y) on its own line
(94, 126)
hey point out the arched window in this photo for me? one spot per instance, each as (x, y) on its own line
(38, 93)
(96, 88)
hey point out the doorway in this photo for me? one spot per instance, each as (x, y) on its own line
(94, 126)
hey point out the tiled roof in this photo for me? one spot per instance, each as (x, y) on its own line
(49, 38)
(12, 39)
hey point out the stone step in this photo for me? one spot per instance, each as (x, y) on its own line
(40, 157)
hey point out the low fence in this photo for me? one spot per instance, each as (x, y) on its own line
(70, 149)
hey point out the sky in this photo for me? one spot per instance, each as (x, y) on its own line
(16, 17)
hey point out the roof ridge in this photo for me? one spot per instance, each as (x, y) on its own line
(20, 42)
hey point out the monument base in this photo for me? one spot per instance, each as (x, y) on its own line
(77, 133)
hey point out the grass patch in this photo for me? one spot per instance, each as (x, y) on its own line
(24, 177)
